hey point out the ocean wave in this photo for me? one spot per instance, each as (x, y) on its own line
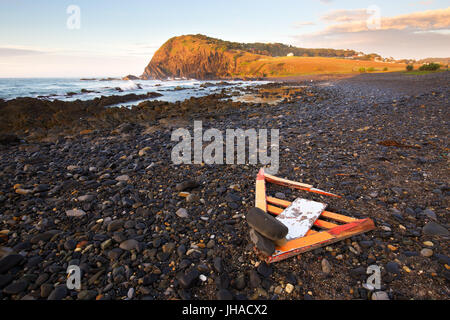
(130, 85)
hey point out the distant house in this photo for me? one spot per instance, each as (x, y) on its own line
(290, 54)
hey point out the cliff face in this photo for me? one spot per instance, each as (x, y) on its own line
(192, 57)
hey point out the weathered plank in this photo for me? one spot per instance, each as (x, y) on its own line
(320, 239)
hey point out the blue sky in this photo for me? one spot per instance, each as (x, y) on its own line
(119, 37)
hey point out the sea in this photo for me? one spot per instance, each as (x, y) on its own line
(70, 89)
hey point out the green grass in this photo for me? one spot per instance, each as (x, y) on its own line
(419, 73)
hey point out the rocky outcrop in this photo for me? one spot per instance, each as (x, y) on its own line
(130, 77)
(24, 114)
(191, 57)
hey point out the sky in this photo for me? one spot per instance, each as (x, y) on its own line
(93, 38)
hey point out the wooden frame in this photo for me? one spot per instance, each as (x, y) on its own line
(341, 227)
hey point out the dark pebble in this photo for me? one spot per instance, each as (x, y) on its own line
(264, 269)
(188, 279)
(392, 267)
(224, 294)
(16, 287)
(186, 185)
(435, 229)
(255, 280)
(5, 279)
(59, 293)
(218, 266)
(9, 262)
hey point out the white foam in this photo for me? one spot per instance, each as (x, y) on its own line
(130, 85)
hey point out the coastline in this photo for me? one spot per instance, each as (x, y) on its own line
(87, 156)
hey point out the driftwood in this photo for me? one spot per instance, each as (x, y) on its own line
(335, 228)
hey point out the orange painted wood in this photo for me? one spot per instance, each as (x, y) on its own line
(278, 202)
(285, 182)
(320, 239)
(260, 192)
(337, 217)
(297, 185)
(274, 210)
(306, 241)
(313, 239)
(325, 224)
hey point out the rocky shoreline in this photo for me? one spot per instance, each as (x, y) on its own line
(87, 185)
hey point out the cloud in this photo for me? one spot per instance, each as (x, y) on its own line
(86, 60)
(64, 65)
(415, 35)
(301, 24)
(354, 21)
(343, 15)
(14, 52)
